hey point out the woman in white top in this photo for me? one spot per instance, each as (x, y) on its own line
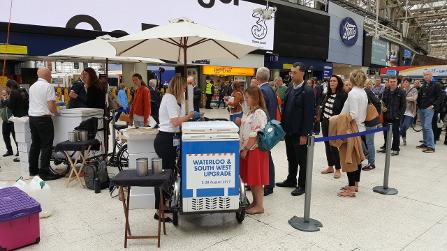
(172, 115)
(356, 105)
(254, 163)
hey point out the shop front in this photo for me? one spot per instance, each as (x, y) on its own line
(280, 67)
(222, 77)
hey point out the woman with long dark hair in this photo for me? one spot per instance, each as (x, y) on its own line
(254, 162)
(96, 96)
(331, 106)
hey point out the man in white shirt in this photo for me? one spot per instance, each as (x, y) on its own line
(42, 105)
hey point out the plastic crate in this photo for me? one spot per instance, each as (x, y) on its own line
(19, 219)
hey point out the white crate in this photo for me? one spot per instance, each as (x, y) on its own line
(24, 147)
(142, 198)
(21, 124)
(23, 137)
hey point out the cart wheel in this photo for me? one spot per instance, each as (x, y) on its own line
(240, 215)
(175, 217)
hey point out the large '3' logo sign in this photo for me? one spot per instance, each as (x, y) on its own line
(210, 3)
(259, 30)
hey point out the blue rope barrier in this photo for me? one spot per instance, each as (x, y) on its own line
(352, 135)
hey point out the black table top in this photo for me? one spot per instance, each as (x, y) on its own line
(78, 146)
(130, 178)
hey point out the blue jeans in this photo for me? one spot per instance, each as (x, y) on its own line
(426, 117)
(369, 138)
(404, 125)
(233, 117)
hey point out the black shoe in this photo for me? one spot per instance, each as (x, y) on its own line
(16, 159)
(166, 219)
(381, 151)
(298, 191)
(17, 154)
(383, 147)
(422, 146)
(47, 177)
(421, 141)
(394, 153)
(286, 183)
(445, 142)
(268, 191)
(8, 154)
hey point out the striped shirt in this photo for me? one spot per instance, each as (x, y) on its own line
(329, 106)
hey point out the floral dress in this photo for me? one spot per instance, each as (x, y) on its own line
(255, 167)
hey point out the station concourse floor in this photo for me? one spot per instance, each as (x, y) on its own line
(415, 219)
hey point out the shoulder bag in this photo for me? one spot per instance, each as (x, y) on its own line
(270, 136)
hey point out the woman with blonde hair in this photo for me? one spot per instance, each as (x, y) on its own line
(172, 115)
(254, 162)
(356, 105)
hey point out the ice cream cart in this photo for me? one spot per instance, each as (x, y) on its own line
(209, 180)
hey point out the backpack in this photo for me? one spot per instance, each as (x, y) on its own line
(96, 169)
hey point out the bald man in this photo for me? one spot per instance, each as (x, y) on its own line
(42, 105)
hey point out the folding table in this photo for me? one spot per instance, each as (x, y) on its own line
(129, 178)
(81, 147)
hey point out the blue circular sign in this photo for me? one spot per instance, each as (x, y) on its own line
(349, 31)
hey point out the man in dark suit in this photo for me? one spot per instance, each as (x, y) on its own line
(262, 77)
(297, 121)
(155, 99)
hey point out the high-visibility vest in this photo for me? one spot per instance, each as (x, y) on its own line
(209, 88)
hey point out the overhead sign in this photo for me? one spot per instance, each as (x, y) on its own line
(349, 33)
(13, 49)
(235, 17)
(227, 71)
(379, 52)
(437, 70)
(210, 171)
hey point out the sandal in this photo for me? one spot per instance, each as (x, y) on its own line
(328, 170)
(251, 211)
(346, 193)
(346, 188)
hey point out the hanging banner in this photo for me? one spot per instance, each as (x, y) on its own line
(132, 15)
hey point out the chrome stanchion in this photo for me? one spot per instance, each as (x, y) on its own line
(307, 224)
(385, 189)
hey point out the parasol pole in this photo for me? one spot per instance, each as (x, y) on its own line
(105, 120)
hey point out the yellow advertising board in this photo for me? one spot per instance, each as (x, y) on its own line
(227, 71)
(13, 49)
(3, 80)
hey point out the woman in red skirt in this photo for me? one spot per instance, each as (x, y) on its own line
(254, 162)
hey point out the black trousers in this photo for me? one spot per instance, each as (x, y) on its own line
(166, 150)
(332, 155)
(42, 136)
(296, 156)
(396, 133)
(271, 173)
(354, 177)
(7, 130)
(436, 131)
(208, 101)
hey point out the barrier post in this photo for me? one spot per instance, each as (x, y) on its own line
(385, 189)
(307, 224)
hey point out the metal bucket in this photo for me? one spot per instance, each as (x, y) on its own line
(72, 137)
(157, 165)
(83, 135)
(142, 167)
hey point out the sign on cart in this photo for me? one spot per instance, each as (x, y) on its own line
(210, 171)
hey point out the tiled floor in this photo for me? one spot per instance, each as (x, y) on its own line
(415, 219)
